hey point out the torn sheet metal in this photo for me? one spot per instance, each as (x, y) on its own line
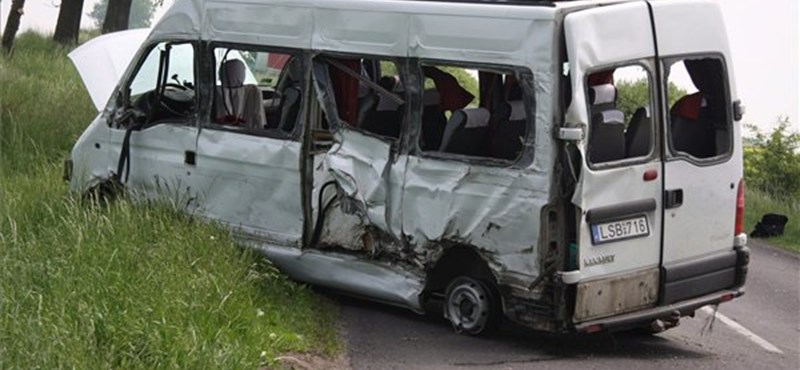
(350, 274)
(493, 209)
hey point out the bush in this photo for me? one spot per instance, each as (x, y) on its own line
(772, 161)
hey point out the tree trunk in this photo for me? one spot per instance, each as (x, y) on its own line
(117, 15)
(69, 22)
(12, 25)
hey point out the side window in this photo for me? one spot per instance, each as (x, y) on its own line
(699, 121)
(369, 94)
(256, 91)
(620, 114)
(473, 112)
(163, 86)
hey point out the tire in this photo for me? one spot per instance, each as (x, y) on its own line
(471, 306)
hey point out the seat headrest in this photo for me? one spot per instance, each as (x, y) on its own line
(232, 73)
(613, 116)
(517, 110)
(602, 94)
(476, 117)
(689, 106)
(430, 97)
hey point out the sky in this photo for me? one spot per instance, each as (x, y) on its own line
(764, 39)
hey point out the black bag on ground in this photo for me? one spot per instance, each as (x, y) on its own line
(771, 224)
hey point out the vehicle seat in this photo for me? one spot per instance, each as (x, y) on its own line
(510, 132)
(290, 107)
(639, 134)
(433, 120)
(385, 119)
(236, 103)
(466, 132)
(691, 133)
(607, 136)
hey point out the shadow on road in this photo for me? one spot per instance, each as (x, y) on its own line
(378, 335)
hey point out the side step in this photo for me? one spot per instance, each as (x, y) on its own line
(349, 274)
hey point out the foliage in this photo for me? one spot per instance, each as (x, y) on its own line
(121, 285)
(632, 95)
(772, 162)
(140, 17)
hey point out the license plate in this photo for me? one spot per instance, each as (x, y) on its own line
(636, 227)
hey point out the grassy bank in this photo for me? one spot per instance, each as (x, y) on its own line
(757, 203)
(120, 285)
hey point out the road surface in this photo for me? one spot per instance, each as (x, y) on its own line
(757, 331)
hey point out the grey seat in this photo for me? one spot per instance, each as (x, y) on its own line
(467, 132)
(236, 103)
(607, 131)
(639, 135)
(510, 132)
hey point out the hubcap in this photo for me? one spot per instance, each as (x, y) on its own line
(468, 306)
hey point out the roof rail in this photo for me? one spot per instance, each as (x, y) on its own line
(502, 2)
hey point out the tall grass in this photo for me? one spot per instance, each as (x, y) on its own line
(121, 285)
(758, 203)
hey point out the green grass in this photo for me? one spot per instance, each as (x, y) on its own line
(122, 285)
(758, 202)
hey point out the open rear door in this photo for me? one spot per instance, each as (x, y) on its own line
(620, 184)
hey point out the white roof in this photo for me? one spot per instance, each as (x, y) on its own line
(503, 34)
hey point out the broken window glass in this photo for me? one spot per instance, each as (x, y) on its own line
(699, 119)
(369, 94)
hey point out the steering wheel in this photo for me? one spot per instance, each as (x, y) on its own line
(177, 99)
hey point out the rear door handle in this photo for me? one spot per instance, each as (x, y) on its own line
(673, 198)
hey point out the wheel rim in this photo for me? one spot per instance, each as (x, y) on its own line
(468, 306)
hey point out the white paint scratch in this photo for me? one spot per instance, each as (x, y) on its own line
(743, 331)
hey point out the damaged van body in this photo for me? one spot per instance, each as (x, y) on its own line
(481, 157)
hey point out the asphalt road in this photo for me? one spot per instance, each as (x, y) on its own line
(383, 337)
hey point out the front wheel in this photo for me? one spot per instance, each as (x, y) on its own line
(470, 306)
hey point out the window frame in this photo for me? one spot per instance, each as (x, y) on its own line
(210, 74)
(655, 148)
(670, 153)
(524, 75)
(401, 64)
(123, 100)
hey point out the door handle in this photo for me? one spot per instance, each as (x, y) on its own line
(673, 198)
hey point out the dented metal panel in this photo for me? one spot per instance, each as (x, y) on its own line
(252, 183)
(496, 210)
(348, 273)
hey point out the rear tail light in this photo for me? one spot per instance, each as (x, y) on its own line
(739, 225)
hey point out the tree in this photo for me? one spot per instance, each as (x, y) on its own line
(140, 14)
(631, 95)
(117, 15)
(772, 163)
(69, 22)
(12, 25)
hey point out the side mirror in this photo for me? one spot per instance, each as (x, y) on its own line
(738, 110)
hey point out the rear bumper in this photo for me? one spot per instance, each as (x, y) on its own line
(684, 288)
(634, 319)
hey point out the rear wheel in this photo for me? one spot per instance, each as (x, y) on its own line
(470, 305)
